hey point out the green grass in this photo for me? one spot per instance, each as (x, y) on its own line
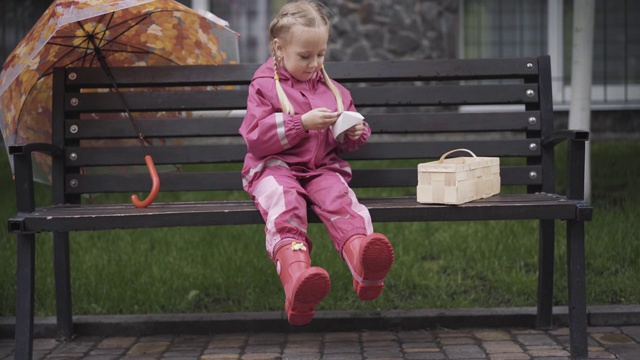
(438, 265)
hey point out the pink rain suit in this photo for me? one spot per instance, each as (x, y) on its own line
(286, 166)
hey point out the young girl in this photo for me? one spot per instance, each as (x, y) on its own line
(292, 159)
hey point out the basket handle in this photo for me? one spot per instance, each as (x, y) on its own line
(452, 151)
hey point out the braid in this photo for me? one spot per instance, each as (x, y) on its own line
(287, 108)
(333, 89)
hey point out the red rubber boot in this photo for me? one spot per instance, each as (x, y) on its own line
(304, 286)
(369, 258)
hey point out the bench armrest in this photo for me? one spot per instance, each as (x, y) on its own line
(576, 158)
(23, 171)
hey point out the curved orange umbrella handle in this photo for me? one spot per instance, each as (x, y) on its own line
(155, 185)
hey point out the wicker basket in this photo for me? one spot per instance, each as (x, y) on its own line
(458, 180)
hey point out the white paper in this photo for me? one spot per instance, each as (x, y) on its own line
(346, 120)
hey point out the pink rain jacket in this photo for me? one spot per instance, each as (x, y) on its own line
(272, 136)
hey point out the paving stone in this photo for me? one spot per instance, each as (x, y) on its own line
(601, 355)
(377, 336)
(220, 357)
(107, 351)
(493, 347)
(257, 349)
(157, 338)
(74, 346)
(70, 355)
(188, 353)
(302, 348)
(417, 335)
(186, 347)
(269, 338)
(462, 340)
(424, 356)
(189, 339)
(223, 351)
(341, 336)
(626, 351)
(632, 331)
(261, 356)
(5, 351)
(228, 341)
(301, 356)
(148, 348)
(452, 333)
(342, 357)
(117, 342)
(488, 335)
(426, 346)
(602, 329)
(383, 353)
(542, 347)
(381, 343)
(464, 352)
(304, 338)
(509, 356)
(548, 353)
(45, 344)
(559, 332)
(565, 340)
(536, 339)
(526, 331)
(613, 338)
(101, 357)
(346, 347)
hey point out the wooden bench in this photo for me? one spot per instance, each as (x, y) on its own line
(418, 110)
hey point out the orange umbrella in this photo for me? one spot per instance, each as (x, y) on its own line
(102, 33)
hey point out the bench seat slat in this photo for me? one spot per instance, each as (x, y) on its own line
(435, 149)
(197, 154)
(194, 100)
(184, 75)
(437, 69)
(152, 128)
(414, 123)
(356, 71)
(210, 213)
(444, 95)
(231, 180)
(451, 122)
(200, 100)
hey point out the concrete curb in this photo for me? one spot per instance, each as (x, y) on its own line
(325, 321)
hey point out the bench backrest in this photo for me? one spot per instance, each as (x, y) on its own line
(417, 110)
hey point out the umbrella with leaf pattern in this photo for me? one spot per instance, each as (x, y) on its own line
(103, 33)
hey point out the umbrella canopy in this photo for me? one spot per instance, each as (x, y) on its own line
(79, 32)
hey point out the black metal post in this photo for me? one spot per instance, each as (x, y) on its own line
(26, 253)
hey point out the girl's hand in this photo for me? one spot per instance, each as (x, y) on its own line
(318, 119)
(355, 131)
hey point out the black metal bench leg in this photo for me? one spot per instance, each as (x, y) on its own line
(63, 285)
(26, 253)
(577, 290)
(546, 255)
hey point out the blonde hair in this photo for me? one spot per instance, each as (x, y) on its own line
(307, 13)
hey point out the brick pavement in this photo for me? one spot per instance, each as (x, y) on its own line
(611, 342)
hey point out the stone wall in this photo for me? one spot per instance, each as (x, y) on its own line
(392, 29)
